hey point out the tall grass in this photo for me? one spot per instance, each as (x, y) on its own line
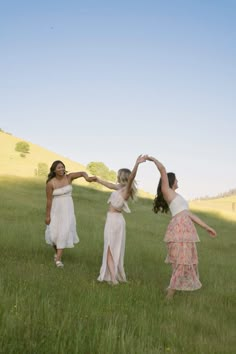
(48, 310)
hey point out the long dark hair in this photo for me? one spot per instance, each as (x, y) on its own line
(159, 203)
(52, 169)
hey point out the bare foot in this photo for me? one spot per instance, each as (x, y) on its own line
(170, 294)
(114, 282)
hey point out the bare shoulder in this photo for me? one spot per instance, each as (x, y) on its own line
(169, 195)
(69, 177)
(50, 183)
(118, 187)
(49, 186)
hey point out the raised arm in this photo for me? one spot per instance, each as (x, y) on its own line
(140, 159)
(201, 223)
(165, 188)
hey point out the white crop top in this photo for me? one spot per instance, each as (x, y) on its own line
(178, 204)
(118, 202)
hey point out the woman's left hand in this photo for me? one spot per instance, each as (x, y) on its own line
(211, 231)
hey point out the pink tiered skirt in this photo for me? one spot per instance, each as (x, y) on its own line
(181, 237)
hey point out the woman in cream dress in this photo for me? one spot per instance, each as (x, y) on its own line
(112, 269)
(181, 235)
(60, 217)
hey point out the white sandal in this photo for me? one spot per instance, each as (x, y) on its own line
(59, 264)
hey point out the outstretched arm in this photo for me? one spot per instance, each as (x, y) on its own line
(201, 223)
(74, 175)
(107, 184)
(140, 159)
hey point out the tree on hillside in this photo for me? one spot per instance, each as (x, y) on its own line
(23, 147)
(42, 170)
(112, 176)
(100, 169)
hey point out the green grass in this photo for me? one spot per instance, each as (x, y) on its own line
(48, 310)
(222, 207)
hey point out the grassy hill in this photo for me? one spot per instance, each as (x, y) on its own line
(14, 165)
(44, 309)
(224, 207)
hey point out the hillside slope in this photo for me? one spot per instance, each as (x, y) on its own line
(225, 206)
(13, 164)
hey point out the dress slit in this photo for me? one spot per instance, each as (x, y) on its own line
(114, 238)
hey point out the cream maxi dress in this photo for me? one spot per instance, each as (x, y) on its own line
(114, 237)
(61, 231)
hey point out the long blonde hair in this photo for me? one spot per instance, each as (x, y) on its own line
(123, 177)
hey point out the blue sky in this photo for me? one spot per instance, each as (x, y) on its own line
(109, 80)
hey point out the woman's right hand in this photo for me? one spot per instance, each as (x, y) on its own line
(47, 220)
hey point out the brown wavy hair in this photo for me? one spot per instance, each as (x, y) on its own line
(52, 173)
(159, 203)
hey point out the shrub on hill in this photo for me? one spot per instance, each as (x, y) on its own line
(100, 169)
(23, 147)
(42, 170)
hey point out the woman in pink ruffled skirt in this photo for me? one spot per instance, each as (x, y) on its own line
(181, 235)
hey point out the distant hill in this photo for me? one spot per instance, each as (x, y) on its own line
(229, 193)
(13, 164)
(225, 206)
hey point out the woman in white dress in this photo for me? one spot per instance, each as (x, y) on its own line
(112, 269)
(60, 217)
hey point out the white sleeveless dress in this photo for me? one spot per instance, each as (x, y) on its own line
(114, 237)
(61, 231)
